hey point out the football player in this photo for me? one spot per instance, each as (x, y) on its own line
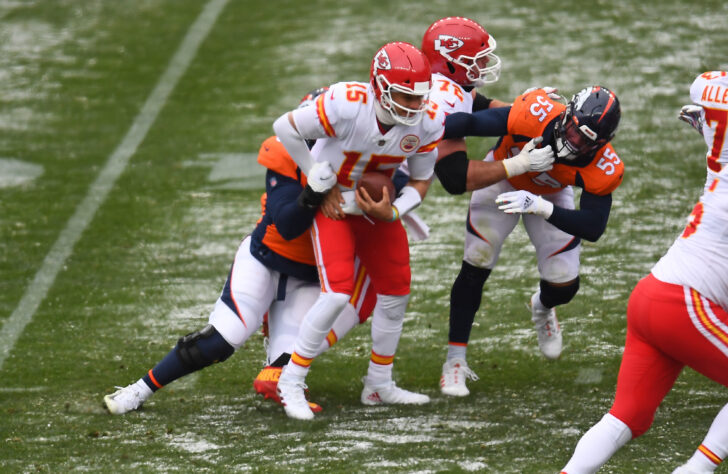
(461, 53)
(577, 136)
(677, 315)
(274, 271)
(362, 127)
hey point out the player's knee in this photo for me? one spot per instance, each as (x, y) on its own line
(202, 348)
(393, 307)
(552, 295)
(637, 420)
(471, 276)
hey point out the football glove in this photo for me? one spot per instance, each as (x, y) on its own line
(321, 177)
(523, 202)
(530, 159)
(551, 92)
(691, 115)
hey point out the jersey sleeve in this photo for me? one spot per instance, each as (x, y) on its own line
(331, 113)
(531, 112)
(273, 156)
(604, 174)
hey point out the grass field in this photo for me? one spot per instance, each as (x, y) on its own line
(127, 178)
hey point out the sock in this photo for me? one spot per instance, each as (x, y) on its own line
(379, 372)
(169, 369)
(457, 351)
(538, 304)
(465, 298)
(598, 445)
(714, 448)
(387, 322)
(143, 389)
(317, 323)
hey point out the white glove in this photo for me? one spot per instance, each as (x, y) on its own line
(530, 159)
(551, 92)
(692, 115)
(350, 206)
(321, 177)
(523, 202)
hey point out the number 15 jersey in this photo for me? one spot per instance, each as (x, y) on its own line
(343, 121)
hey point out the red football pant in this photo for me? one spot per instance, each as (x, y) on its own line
(668, 327)
(381, 246)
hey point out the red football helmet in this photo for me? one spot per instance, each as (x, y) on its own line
(462, 50)
(401, 67)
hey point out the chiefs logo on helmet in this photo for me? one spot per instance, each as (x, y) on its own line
(382, 60)
(447, 43)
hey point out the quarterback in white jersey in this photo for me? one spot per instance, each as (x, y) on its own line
(677, 316)
(363, 127)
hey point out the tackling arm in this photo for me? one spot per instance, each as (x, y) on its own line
(290, 218)
(589, 221)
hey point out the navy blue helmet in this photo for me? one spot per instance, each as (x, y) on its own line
(589, 122)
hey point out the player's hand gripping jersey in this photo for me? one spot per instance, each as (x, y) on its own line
(532, 115)
(710, 90)
(355, 144)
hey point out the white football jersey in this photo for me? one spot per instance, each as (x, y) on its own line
(699, 257)
(450, 97)
(350, 138)
(710, 90)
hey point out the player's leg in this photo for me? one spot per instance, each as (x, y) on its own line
(700, 340)
(237, 314)
(359, 309)
(293, 299)
(334, 249)
(713, 450)
(486, 230)
(558, 265)
(384, 251)
(646, 374)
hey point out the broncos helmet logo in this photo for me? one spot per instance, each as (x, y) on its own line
(447, 43)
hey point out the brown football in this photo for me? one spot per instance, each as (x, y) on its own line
(373, 182)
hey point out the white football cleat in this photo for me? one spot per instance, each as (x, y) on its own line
(127, 398)
(390, 394)
(548, 330)
(293, 399)
(454, 374)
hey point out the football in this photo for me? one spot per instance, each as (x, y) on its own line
(373, 182)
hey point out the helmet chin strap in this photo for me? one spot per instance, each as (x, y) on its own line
(384, 116)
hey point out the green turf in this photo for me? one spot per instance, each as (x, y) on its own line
(73, 77)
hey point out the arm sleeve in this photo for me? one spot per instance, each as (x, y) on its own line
(481, 102)
(589, 221)
(484, 123)
(290, 219)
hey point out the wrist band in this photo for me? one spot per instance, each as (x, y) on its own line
(395, 214)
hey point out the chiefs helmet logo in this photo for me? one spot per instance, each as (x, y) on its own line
(381, 60)
(447, 43)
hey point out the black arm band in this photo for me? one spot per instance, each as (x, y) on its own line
(452, 171)
(309, 198)
(481, 102)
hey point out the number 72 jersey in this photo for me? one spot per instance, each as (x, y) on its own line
(530, 116)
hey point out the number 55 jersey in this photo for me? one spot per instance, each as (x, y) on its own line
(533, 115)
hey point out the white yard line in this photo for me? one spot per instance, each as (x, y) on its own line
(59, 253)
